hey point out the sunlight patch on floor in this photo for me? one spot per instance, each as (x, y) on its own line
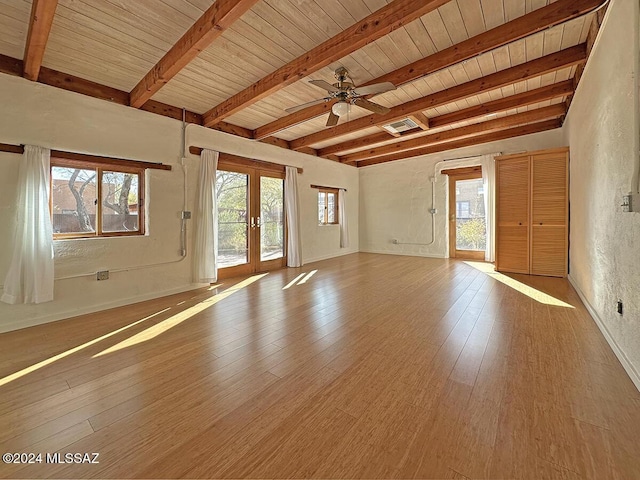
(304, 280)
(60, 356)
(175, 320)
(293, 282)
(309, 275)
(537, 295)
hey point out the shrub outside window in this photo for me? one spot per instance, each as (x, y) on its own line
(89, 200)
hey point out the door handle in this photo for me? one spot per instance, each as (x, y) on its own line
(253, 222)
(258, 222)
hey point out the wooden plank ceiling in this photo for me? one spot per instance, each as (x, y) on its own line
(470, 70)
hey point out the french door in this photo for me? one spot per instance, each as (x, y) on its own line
(251, 223)
(467, 223)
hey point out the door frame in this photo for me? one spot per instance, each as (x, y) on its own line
(453, 251)
(254, 264)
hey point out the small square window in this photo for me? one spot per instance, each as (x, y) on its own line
(327, 206)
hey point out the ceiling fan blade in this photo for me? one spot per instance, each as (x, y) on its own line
(374, 107)
(324, 85)
(375, 89)
(305, 105)
(332, 121)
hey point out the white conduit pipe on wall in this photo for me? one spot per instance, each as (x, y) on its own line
(183, 226)
(433, 210)
(635, 179)
(183, 220)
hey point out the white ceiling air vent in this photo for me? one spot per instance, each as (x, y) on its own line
(400, 126)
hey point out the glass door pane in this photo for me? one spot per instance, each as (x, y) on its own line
(271, 218)
(471, 231)
(232, 192)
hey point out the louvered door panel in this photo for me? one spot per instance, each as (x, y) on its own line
(549, 221)
(512, 243)
(549, 189)
(512, 249)
(548, 250)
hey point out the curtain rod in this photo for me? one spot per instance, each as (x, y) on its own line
(83, 157)
(323, 186)
(193, 150)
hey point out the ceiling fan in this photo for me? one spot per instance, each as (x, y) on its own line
(347, 94)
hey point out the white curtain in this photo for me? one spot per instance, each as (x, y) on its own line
(342, 219)
(291, 206)
(488, 182)
(206, 244)
(30, 275)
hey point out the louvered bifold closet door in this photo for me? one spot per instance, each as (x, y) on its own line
(549, 220)
(512, 181)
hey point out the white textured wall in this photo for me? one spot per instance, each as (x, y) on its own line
(602, 131)
(42, 115)
(395, 197)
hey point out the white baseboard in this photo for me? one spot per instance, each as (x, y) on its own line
(332, 255)
(23, 323)
(404, 254)
(626, 364)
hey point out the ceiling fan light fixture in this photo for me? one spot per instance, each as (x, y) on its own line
(340, 108)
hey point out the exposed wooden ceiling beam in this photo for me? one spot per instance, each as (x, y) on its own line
(467, 142)
(534, 68)
(309, 151)
(524, 99)
(11, 66)
(42, 13)
(65, 81)
(545, 17)
(213, 23)
(380, 23)
(545, 113)
(422, 120)
(103, 92)
(278, 142)
(226, 127)
(292, 120)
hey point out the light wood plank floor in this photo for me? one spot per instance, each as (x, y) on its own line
(368, 366)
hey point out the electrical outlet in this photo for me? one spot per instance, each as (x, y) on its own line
(186, 215)
(626, 203)
(631, 202)
(433, 211)
(395, 241)
(102, 275)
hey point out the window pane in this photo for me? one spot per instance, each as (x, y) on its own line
(120, 202)
(331, 208)
(470, 221)
(271, 218)
(321, 198)
(73, 200)
(232, 194)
